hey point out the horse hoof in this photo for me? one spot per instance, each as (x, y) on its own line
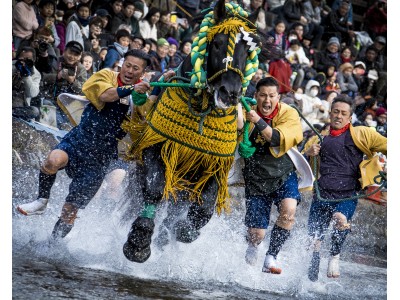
(162, 238)
(185, 232)
(136, 254)
(141, 231)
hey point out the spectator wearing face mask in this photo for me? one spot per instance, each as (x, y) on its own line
(311, 104)
(367, 119)
(140, 8)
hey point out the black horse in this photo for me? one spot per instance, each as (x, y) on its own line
(188, 146)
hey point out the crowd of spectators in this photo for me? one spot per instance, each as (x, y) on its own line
(59, 44)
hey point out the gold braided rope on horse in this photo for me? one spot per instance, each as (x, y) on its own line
(232, 26)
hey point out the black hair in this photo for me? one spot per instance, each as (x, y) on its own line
(81, 4)
(122, 33)
(183, 42)
(152, 41)
(280, 20)
(26, 49)
(371, 47)
(43, 3)
(267, 81)
(128, 2)
(147, 42)
(295, 42)
(139, 54)
(152, 11)
(344, 99)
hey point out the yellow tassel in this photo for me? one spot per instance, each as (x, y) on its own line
(228, 26)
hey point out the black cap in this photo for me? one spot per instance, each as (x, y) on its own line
(74, 46)
(102, 13)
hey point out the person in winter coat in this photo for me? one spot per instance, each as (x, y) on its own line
(78, 25)
(346, 80)
(148, 26)
(298, 62)
(279, 35)
(331, 55)
(117, 50)
(24, 22)
(311, 104)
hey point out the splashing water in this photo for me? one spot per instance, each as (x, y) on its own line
(89, 263)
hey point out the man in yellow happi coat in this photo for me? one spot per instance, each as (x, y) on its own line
(270, 174)
(340, 166)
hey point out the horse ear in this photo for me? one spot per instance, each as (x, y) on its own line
(219, 11)
(254, 15)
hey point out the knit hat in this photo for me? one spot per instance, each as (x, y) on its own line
(346, 66)
(334, 40)
(162, 42)
(380, 111)
(173, 41)
(139, 6)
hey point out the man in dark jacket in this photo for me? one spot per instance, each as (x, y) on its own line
(336, 24)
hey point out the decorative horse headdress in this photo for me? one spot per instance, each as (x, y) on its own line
(238, 27)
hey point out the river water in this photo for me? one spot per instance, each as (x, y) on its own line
(89, 263)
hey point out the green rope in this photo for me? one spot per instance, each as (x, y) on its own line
(138, 98)
(148, 211)
(379, 179)
(246, 150)
(171, 84)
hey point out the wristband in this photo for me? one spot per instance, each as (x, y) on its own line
(126, 90)
(156, 91)
(261, 125)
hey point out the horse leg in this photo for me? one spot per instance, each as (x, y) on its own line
(137, 246)
(174, 211)
(198, 214)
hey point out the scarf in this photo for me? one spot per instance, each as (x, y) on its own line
(333, 55)
(278, 39)
(84, 22)
(121, 50)
(337, 132)
(344, 59)
(269, 118)
(120, 83)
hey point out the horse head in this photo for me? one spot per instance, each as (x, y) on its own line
(225, 53)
